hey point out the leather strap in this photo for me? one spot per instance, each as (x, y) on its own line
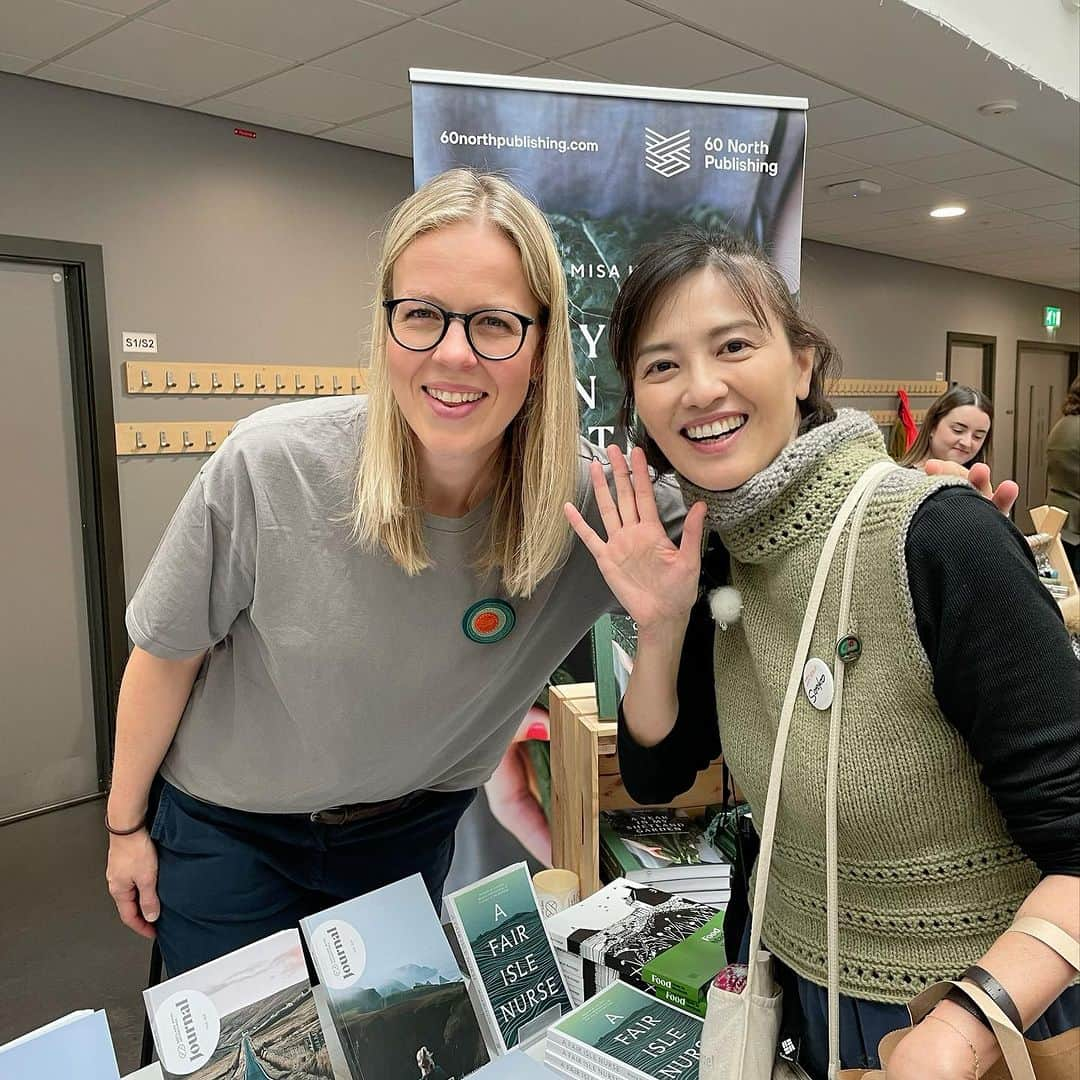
(1052, 936)
(991, 987)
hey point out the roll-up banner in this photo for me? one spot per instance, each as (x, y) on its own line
(614, 168)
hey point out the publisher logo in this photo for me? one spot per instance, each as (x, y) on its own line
(188, 1029)
(667, 155)
(340, 954)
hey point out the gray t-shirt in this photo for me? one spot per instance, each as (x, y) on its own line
(332, 676)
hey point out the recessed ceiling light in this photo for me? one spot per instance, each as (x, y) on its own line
(948, 211)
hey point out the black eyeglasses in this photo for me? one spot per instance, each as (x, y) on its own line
(492, 333)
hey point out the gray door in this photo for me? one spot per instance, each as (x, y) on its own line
(47, 735)
(966, 364)
(1041, 383)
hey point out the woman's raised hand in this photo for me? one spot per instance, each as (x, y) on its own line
(655, 581)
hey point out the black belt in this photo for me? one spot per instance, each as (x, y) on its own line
(346, 815)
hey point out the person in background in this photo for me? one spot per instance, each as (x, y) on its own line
(956, 428)
(1063, 472)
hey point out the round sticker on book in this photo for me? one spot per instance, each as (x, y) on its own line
(817, 681)
(339, 953)
(188, 1029)
(488, 621)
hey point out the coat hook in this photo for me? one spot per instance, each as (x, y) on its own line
(163, 442)
(259, 384)
(139, 444)
(209, 441)
(193, 383)
(170, 382)
(279, 382)
(354, 384)
(297, 383)
(237, 384)
(146, 380)
(186, 440)
(336, 384)
(215, 382)
(318, 382)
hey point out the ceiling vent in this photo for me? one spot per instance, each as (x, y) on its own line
(854, 189)
(999, 108)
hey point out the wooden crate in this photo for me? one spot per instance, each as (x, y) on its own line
(585, 780)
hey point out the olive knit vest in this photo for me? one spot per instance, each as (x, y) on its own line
(929, 877)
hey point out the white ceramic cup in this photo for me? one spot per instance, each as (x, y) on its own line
(556, 890)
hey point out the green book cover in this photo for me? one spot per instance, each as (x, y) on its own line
(688, 968)
(697, 1006)
(509, 954)
(641, 1032)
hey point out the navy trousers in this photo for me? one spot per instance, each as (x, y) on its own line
(227, 878)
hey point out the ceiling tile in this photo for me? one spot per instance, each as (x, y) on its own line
(909, 144)
(552, 28)
(780, 81)
(552, 69)
(891, 184)
(249, 114)
(17, 65)
(156, 56)
(320, 95)
(1067, 212)
(88, 80)
(387, 57)
(279, 27)
(42, 28)
(368, 140)
(671, 55)
(826, 163)
(973, 162)
(396, 124)
(852, 119)
(1056, 191)
(1023, 179)
(117, 7)
(413, 7)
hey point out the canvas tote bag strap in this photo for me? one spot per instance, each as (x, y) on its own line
(1052, 936)
(874, 475)
(772, 800)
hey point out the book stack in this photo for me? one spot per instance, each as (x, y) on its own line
(624, 1033)
(509, 957)
(394, 990)
(249, 1013)
(666, 849)
(618, 932)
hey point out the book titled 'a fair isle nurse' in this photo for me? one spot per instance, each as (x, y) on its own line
(509, 955)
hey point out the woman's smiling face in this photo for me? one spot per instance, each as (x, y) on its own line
(717, 393)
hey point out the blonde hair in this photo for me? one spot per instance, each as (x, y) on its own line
(538, 469)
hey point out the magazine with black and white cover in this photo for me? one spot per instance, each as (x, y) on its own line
(248, 1013)
(394, 989)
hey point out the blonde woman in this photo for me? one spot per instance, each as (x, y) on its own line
(359, 599)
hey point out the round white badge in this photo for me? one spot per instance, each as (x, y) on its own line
(817, 681)
(188, 1028)
(342, 954)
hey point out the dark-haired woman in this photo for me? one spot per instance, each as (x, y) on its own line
(959, 764)
(956, 428)
(1063, 471)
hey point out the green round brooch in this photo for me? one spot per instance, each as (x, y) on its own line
(849, 648)
(488, 621)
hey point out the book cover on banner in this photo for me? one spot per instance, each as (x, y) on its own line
(396, 994)
(509, 955)
(630, 1032)
(689, 967)
(249, 1013)
(75, 1045)
(657, 845)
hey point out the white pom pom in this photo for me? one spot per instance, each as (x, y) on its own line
(725, 604)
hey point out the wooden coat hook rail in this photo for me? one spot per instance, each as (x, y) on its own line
(155, 438)
(262, 380)
(885, 387)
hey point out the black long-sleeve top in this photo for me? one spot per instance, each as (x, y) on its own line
(1004, 675)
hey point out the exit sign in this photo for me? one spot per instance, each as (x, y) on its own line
(1051, 318)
